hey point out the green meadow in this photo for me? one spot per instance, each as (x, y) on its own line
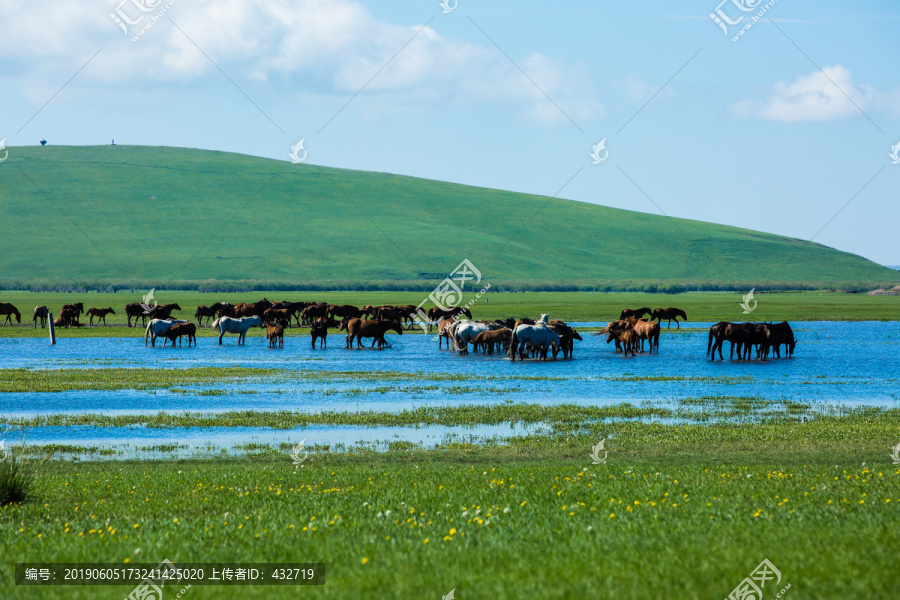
(680, 511)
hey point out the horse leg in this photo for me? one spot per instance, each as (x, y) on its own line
(221, 333)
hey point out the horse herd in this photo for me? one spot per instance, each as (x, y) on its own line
(516, 338)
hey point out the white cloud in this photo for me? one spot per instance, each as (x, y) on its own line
(822, 95)
(323, 47)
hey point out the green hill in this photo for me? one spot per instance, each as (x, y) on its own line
(133, 215)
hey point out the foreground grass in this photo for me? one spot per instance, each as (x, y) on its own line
(676, 511)
(118, 378)
(569, 306)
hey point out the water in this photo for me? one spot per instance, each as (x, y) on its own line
(846, 363)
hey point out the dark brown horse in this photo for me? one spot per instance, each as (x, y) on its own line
(41, 313)
(137, 311)
(737, 333)
(164, 311)
(68, 317)
(781, 333)
(343, 310)
(637, 312)
(436, 314)
(243, 309)
(9, 310)
(78, 307)
(181, 329)
(567, 336)
(205, 311)
(319, 330)
(375, 329)
(313, 312)
(99, 314)
(671, 314)
(275, 315)
(224, 309)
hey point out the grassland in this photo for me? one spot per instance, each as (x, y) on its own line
(569, 306)
(76, 214)
(681, 511)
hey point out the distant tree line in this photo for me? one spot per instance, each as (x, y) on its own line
(227, 286)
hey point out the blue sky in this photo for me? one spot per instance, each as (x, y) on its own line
(787, 130)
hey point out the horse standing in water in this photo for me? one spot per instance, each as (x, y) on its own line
(238, 326)
(157, 328)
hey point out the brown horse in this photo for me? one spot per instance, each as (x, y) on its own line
(671, 314)
(313, 312)
(646, 330)
(243, 309)
(164, 311)
(343, 310)
(408, 312)
(625, 338)
(78, 307)
(567, 336)
(319, 330)
(224, 309)
(180, 329)
(9, 310)
(99, 314)
(637, 313)
(205, 311)
(737, 333)
(488, 340)
(436, 314)
(387, 313)
(375, 329)
(275, 315)
(275, 333)
(68, 317)
(781, 333)
(41, 313)
(444, 326)
(137, 311)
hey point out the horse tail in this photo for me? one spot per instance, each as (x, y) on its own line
(147, 332)
(216, 323)
(709, 339)
(457, 341)
(513, 342)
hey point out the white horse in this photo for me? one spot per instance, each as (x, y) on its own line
(238, 326)
(464, 332)
(539, 336)
(158, 327)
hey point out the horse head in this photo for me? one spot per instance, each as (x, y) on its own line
(543, 319)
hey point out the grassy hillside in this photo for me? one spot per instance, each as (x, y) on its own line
(164, 215)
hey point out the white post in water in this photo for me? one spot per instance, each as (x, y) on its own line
(52, 330)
